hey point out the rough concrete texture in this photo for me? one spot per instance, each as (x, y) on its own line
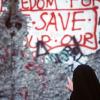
(45, 78)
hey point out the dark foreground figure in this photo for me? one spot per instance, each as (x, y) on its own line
(85, 84)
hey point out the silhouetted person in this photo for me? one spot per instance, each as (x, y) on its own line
(85, 85)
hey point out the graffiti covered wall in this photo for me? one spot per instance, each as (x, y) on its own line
(42, 42)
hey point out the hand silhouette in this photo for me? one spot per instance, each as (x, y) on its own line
(69, 84)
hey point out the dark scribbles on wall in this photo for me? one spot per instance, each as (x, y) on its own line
(41, 45)
(42, 42)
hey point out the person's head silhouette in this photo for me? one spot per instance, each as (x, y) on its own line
(85, 84)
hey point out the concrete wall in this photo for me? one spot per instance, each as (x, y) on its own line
(42, 42)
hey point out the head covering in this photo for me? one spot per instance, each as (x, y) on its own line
(85, 84)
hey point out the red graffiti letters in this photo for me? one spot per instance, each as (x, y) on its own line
(55, 23)
(56, 26)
